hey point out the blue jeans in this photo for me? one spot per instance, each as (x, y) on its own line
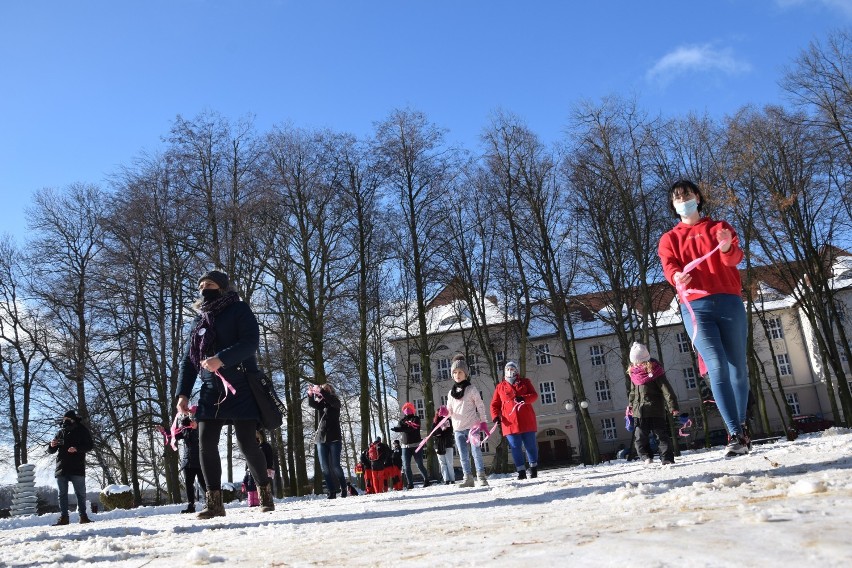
(329, 458)
(721, 342)
(519, 442)
(464, 453)
(407, 454)
(79, 483)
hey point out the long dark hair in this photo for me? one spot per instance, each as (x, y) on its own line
(680, 187)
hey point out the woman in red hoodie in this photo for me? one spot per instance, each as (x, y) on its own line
(714, 291)
(511, 407)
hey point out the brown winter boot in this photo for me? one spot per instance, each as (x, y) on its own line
(214, 507)
(468, 481)
(84, 518)
(266, 502)
(483, 479)
(63, 520)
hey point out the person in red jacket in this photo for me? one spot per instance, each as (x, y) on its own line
(713, 290)
(511, 407)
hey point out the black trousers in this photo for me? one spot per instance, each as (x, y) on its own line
(660, 427)
(209, 432)
(190, 474)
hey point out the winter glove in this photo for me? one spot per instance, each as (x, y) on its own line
(519, 398)
(443, 411)
(483, 427)
(496, 420)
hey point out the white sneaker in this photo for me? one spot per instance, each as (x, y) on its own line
(736, 447)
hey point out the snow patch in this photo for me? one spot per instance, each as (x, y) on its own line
(116, 489)
(807, 487)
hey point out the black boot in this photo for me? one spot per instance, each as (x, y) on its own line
(522, 474)
(426, 483)
(189, 509)
(84, 518)
(63, 520)
(214, 507)
(266, 502)
(533, 471)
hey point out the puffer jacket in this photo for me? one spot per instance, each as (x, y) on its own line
(237, 340)
(651, 395)
(467, 411)
(512, 420)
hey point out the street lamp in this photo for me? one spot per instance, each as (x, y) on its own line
(571, 406)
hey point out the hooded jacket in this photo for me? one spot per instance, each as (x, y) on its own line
(718, 274)
(503, 404)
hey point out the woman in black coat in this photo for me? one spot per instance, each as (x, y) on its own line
(224, 339)
(328, 439)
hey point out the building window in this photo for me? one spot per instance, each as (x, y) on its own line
(773, 327)
(682, 342)
(414, 373)
(486, 448)
(784, 366)
(608, 428)
(444, 369)
(421, 408)
(501, 361)
(597, 355)
(689, 378)
(793, 402)
(602, 391)
(542, 354)
(547, 390)
(473, 365)
(443, 401)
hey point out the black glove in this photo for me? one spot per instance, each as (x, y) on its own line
(519, 398)
(496, 420)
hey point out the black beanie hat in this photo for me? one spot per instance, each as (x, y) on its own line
(220, 278)
(72, 414)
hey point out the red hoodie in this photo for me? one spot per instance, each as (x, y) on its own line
(717, 274)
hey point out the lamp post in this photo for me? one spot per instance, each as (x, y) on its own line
(571, 405)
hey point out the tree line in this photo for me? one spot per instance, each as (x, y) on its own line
(339, 243)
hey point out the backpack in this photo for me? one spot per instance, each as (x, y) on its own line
(373, 452)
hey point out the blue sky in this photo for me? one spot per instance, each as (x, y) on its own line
(87, 86)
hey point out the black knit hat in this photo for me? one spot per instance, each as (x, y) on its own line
(72, 414)
(220, 278)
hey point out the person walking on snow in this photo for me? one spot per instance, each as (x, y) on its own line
(511, 407)
(409, 428)
(650, 396)
(467, 411)
(70, 446)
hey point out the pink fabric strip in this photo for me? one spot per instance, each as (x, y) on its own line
(435, 429)
(684, 427)
(228, 387)
(683, 292)
(517, 406)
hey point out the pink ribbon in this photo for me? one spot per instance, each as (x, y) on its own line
(684, 427)
(517, 406)
(228, 387)
(435, 429)
(683, 292)
(474, 430)
(171, 437)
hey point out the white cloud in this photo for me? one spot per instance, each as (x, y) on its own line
(695, 58)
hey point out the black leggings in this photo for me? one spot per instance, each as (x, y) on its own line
(190, 474)
(208, 445)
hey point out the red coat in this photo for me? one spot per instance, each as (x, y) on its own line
(503, 404)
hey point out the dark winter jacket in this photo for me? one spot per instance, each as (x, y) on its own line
(248, 482)
(384, 453)
(409, 427)
(395, 458)
(651, 395)
(189, 458)
(365, 461)
(327, 417)
(443, 437)
(237, 340)
(72, 435)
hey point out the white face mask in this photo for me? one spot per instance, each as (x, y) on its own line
(686, 208)
(511, 375)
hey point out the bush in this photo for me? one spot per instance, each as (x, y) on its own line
(114, 497)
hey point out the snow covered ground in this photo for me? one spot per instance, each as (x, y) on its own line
(785, 504)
